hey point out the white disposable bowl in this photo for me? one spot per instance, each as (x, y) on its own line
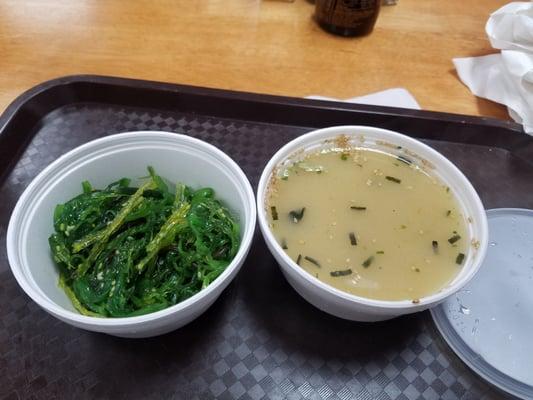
(178, 158)
(346, 305)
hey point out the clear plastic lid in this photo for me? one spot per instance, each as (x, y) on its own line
(489, 323)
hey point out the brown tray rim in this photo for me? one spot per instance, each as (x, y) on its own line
(40, 100)
(14, 107)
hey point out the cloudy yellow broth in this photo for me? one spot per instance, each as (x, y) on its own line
(373, 225)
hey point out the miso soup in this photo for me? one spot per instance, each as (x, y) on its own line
(369, 223)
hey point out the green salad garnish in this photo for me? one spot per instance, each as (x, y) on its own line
(125, 251)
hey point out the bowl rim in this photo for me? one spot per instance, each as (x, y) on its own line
(18, 214)
(315, 136)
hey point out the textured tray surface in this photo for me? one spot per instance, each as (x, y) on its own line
(260, 339)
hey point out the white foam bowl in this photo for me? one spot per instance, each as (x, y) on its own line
(356, 308)
(178, 158)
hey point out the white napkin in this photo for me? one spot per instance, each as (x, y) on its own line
(506, 77)
(511, 27)
(397, 97)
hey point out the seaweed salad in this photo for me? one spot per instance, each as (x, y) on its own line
(125, 251)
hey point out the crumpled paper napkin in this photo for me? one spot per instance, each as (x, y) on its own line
(506, 77)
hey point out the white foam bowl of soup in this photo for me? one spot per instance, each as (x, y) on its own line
(177, 158)
(404, 152)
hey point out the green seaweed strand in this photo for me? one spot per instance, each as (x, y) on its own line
(102, 237)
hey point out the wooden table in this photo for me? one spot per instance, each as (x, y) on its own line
(263, 46)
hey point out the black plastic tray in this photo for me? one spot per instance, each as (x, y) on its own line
(260, 339)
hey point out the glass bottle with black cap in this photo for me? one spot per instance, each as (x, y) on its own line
(347, 17)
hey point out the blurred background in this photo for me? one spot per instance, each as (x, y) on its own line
(267, 46)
